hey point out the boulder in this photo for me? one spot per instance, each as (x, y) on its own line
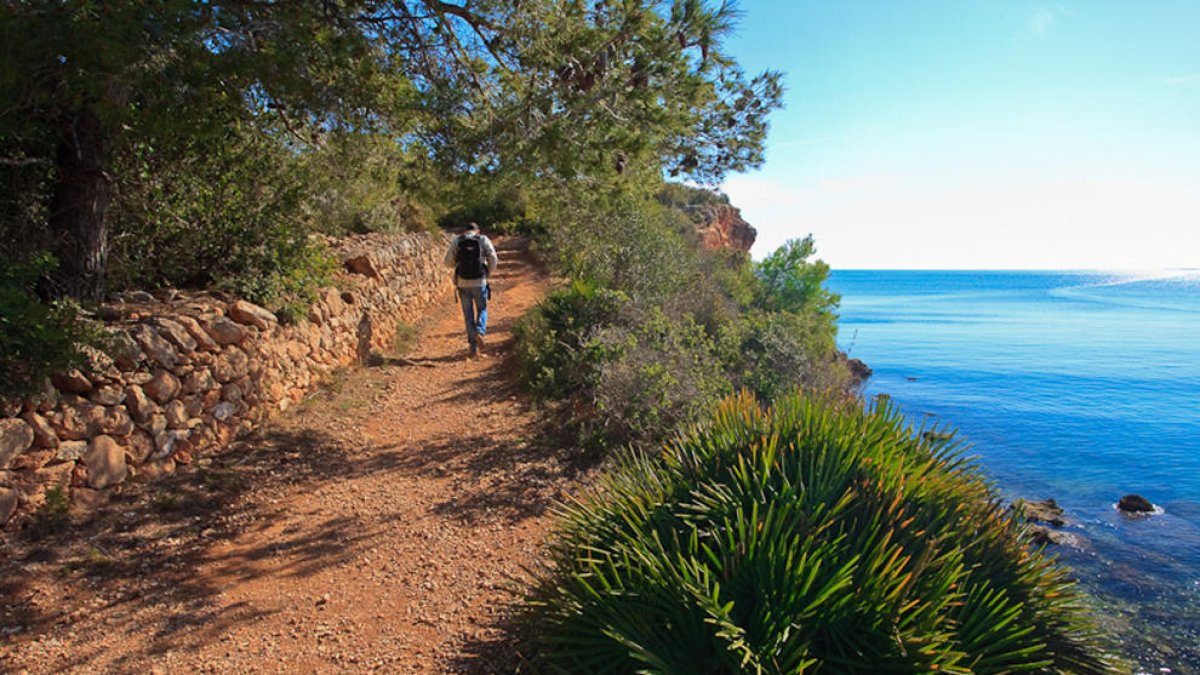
(105, 462)
(125, 350)
(1135, 504)
(250, 314)
(16, 436)
(117, 422)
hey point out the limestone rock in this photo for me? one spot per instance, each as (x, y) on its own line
(158, 468)
(125, 350)
(108, 395)
(139, 404)
(222, 330)
(251, 314)
(16, 436)
(1045, 511)
(141, 445)
(73, 382)
(203, 339)
(8, 504)
(198, 381)
(43, 433)
(177, 415)
(80, 419)
(154, 346)
(32, 460)
(231, 364)
(117, 422)
(175, 332)
(163, 387)
(105, 461)
(69, 451)
(363, 264)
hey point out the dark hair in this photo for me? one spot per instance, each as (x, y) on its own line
(472, 227)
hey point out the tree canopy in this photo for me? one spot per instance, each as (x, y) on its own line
(105, 98)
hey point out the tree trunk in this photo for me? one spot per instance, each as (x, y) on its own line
(79, 210)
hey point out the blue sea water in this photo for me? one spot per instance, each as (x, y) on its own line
(1079, 386)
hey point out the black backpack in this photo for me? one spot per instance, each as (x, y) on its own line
(469, 261)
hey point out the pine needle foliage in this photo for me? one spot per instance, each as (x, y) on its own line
(813, 536)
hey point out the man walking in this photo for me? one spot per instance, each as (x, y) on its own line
(473, 258)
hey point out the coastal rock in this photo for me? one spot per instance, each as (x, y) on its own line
(1135, 504)
(1042, 536)
(1045, 511)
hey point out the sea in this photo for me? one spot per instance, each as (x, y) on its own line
(1076, 386)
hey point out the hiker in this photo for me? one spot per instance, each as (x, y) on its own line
(473, 257)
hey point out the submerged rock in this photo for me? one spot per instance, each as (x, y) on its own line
(1135, 504)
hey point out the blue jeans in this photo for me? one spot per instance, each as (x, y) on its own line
(474, 306)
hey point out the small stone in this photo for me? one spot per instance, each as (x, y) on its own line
(105, 462)
(163, 386)
(16, 436)
(1135, 504)
(80, 419)
(198, 381)
(33, 460)
(251, 314)
(73, 382)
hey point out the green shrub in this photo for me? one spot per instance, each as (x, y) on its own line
(556, 351)
(809, 537)
(37, 338)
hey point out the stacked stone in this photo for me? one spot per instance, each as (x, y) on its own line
(190, 372)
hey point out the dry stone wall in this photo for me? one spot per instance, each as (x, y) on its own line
(192, 371)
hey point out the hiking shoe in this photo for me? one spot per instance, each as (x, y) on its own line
(480, 342)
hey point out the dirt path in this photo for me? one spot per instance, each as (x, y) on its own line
(380, 525)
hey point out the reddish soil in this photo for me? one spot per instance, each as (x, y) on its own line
(386, 523)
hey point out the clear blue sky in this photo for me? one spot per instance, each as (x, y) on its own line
(979, 133)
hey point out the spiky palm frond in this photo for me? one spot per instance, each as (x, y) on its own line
(811, 536)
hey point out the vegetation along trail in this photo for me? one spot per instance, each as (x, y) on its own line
(382, 524)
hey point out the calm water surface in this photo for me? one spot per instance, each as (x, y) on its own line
(1077, 386)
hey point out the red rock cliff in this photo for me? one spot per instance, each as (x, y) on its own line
(721, 226)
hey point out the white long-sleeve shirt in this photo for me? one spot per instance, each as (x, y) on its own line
(488, 250)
